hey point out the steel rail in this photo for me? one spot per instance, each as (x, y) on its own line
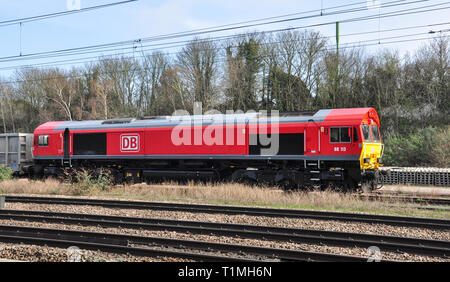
(388, 243)
(412, 199)
(420, 222)
(145, 252)
(120, 241)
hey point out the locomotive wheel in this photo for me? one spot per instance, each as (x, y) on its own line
(239, 177)
(350, 185)
(288, 185)
(368, 186)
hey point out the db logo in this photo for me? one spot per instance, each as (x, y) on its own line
(129, 143)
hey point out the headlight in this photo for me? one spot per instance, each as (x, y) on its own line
(367, 160)
(380, 160)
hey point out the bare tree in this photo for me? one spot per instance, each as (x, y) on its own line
(61, 92)
(172, 94)
(153, 66)
(122, 72)
(243, 65)
(2, 103)
(198, 65)
(310, 52)
(7, 101)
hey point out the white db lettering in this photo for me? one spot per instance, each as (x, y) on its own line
(129, 143)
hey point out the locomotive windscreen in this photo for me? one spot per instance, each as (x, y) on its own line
(89, 144)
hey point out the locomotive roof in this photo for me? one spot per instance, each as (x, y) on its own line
(332, 115)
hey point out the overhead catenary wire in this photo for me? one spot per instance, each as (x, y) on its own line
(146, 68)
(165, 46)
(390, 42)
(387, 14)
(59, 14)
(99, 47)
(388, 4)
(278, 42)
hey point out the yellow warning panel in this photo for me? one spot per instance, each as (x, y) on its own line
(371, 155)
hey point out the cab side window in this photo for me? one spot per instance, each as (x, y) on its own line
(345, 135)
(355, 134)
(334, 135)
(43, 140)
(340, 135)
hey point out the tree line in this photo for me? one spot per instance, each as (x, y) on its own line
(287, 71)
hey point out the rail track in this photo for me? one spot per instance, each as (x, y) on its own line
(407, 199)
(154, 246)
(233, 210)
(387, 243)
(45, 240)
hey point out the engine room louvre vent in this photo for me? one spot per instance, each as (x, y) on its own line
(297, 113)
(118, 121)
(152, 117)
(290, 114)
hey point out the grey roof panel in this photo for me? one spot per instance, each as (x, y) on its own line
(169, 121)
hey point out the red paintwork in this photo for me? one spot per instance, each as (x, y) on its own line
(350, 116)
(157, 140)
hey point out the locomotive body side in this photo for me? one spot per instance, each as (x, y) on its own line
(321, 149)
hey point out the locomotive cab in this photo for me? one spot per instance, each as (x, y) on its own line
(371, 152)
(371, 148)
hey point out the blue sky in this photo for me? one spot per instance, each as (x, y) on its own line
(148, 18)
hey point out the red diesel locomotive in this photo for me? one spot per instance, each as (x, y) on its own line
(338, 146)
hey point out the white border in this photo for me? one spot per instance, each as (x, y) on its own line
(138, 143)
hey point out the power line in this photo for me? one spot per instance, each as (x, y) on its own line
(294, 14)
(190, 33)
(276, 17)
(223, 61)
(85, 60)
(59, 14)
(390, 42)
(387, 14)
(393, 37)
(390, 14)
(71, 51)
